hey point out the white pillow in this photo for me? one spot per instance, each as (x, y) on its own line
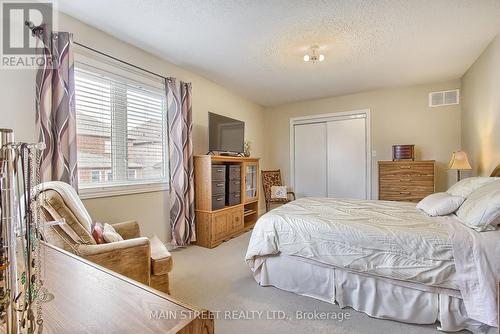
(440, 204)
(279, 192)
(481, 210)
(467, 186)
(110, 235)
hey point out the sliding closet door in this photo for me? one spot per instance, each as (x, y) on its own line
(346, 155)
(310, 160)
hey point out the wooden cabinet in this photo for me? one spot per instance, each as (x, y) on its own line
(226, 197)
(408, 181)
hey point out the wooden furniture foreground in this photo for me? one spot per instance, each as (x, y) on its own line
(408, 181)
(219, 215)
(92, 299)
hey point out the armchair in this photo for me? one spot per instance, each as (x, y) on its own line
(272, 178)
(139, 258)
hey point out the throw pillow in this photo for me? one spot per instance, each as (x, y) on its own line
(278, 192)
(97, 230)
(440, 204)
(110, 235)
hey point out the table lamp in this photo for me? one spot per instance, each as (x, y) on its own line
(459, 162)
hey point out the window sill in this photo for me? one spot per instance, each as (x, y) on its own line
(88, 192)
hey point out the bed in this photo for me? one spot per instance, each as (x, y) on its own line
(386, 259)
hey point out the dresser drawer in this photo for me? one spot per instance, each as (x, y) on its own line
(234, 198)
(218, 173)
(218, 188)
(218, 202)
(404, 196)
(412, 179)
(427, 185)
(405, 170)
(234, 172)
(234, 186)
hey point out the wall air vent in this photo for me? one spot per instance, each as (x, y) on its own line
(444, 98)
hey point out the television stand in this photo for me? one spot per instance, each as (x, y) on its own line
(219, 184)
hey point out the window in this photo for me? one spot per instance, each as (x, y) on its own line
(121, 129)
(95, 176)
(132, 174)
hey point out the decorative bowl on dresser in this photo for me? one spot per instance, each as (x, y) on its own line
(226, 197)
(408, 181)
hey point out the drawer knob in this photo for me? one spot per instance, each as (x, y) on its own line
(220, 184)
(405, 167)
(404, 193)
(405, 180)
(219, 199)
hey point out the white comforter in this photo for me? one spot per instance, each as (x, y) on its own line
(389, 239)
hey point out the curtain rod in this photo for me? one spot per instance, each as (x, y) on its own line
(120, 60)
(37, 30)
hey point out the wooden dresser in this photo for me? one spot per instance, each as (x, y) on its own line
(226, 197)
(89, 298)
(408, 181)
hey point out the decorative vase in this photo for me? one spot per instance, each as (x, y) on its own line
(247, 148)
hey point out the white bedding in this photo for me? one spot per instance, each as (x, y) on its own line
(388, 239)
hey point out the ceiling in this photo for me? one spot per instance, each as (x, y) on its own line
(255, 48)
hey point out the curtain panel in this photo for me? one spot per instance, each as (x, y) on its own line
(55, 108)
(180, 125)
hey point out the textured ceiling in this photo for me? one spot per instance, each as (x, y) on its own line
(256, 47)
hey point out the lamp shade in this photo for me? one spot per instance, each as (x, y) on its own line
(459, 161)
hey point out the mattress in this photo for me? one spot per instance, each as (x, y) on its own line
(387, 239)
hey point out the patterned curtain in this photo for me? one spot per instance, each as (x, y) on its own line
(181, 162)
(55, 108)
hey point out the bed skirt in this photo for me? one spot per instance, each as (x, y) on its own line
(371, 295)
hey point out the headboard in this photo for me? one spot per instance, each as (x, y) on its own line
(496, 172)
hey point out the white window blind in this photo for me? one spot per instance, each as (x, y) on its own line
(121, 128)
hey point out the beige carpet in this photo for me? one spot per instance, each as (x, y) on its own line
(219, 280)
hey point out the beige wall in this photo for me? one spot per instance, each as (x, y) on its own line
(17, 96)
(481, 110)
(398, 115)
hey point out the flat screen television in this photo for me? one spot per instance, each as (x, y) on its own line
(225, 134)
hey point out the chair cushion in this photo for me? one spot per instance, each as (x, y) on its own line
(161, 260)
(56, 209)
(71, 200)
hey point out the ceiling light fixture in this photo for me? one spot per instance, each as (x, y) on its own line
(313, 55)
